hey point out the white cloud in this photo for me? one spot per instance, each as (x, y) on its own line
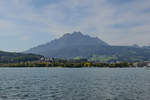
(117, 24)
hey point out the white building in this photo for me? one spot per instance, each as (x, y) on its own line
(148, 64)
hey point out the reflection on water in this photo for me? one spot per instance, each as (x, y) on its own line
(74, 84)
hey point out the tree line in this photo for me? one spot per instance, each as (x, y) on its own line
(67, 64)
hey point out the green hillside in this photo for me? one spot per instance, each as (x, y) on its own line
(12, 57)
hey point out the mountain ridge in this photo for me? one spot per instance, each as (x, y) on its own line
(79, 45)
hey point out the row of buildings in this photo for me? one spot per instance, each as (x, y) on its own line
(136, 64)
(142, 64)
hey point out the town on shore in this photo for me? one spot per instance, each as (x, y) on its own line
(75, 63)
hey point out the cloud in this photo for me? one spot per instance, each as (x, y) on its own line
(33, 22)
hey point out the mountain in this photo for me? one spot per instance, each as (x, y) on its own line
(77, 45)
(135, 46)
(146, 47)
(67, 41)
(12, 57)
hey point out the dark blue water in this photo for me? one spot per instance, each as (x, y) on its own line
(74, 84)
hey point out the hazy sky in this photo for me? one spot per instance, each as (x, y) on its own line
(28, 23)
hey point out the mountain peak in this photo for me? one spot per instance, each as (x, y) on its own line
(73, 34)
(77, 38)
(77, 33)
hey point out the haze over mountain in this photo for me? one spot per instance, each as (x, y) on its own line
(77, 45)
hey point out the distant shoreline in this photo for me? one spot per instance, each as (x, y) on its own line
(71, 64)
(72, 67)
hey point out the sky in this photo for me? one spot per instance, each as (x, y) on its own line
(28, 23)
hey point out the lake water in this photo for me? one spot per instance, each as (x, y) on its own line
(74, 84)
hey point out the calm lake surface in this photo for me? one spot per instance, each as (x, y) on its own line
(74, 84)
